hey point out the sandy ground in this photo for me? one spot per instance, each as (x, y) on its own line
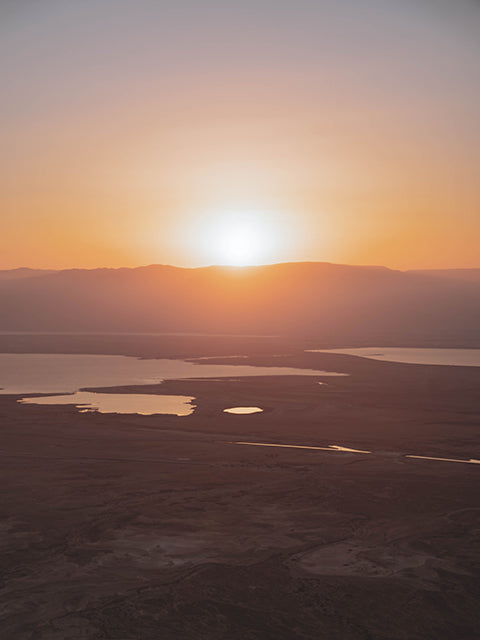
(160, 527)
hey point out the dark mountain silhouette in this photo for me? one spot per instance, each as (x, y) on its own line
(320, 301)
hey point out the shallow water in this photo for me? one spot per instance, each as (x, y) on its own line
(450, 357)
(339, 449)
(331, 447)
(63, 373)
(243, 410)
(68, 374)
(139, 403)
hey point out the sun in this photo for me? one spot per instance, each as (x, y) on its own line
(241, 238)
(241, 244)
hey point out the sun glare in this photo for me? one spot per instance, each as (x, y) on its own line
(241, 245)
(241, 239)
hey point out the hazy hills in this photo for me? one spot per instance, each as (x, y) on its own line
(466, 275)
(322, 301)
(23, 272)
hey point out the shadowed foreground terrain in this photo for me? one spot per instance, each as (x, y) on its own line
(160, 527)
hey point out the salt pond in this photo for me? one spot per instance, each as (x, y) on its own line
(67, 374)
(241, 411)
(140, 403)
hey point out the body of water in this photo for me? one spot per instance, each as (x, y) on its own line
(59, 374)
(446, 357)
(241, 411)
(339, 449)
(63, 373)
(140, 403)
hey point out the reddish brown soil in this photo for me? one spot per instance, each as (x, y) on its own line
(158, 527)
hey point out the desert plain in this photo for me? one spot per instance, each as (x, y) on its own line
(131, 527)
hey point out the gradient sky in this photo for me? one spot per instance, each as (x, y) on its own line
(134, 131)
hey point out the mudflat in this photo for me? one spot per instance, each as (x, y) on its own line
(162, 527)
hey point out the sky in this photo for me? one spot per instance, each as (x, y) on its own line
(239, 131)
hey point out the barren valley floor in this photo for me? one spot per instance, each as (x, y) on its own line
(161, 527)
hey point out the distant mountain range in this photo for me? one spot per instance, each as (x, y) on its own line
(467, 275)
(23, 272)
(320, 301)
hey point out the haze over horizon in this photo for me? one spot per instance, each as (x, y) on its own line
(227, 265)
(196, 133)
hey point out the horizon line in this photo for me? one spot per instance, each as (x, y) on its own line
(234, 267)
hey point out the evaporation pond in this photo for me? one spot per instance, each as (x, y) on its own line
(241, 411)
(63, 374)
(140, 403)
(449, 357)
(60, 373)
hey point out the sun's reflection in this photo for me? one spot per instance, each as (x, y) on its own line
(140, 403)
(243, 410)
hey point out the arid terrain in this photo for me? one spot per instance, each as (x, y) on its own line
(162, 527)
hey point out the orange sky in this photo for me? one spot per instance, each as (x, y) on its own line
(135, 131)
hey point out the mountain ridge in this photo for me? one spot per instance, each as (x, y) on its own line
(25, 272)
(304, 299)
